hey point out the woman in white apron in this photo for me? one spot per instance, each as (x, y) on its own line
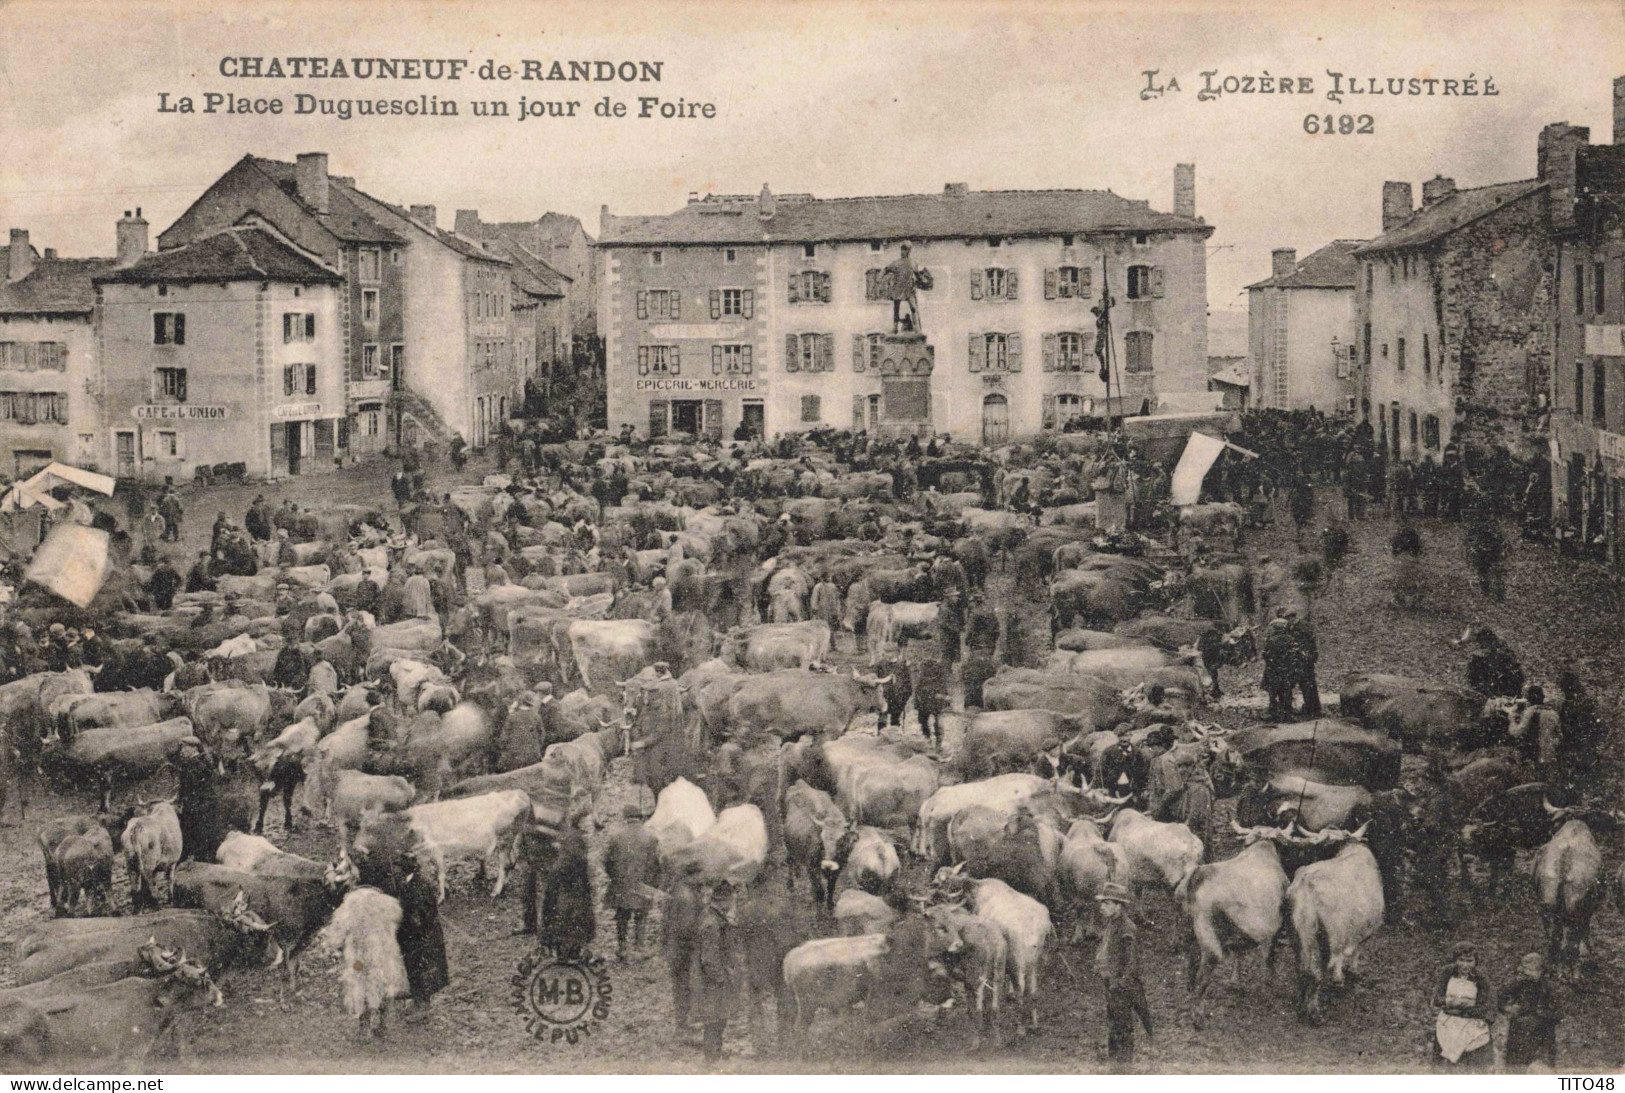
(1461, 1036)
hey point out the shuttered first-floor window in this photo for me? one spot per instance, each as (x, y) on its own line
(1137, 350)
(659, 360)
(732, 360)
(812, 411)
(995, 352)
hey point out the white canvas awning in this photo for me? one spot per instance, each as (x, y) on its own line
(35, 490)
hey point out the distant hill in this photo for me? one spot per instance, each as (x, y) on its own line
(1227, 332)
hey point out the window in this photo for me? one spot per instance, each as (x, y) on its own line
(874, 245)
(1579, 288)
(660, 303)
(1384, 350)
(659, 360)
(1400, 353)
(1067, 282)
(1142, 239)
(1599, 393)
(394, 256)
(733, 301)
(1066, 240)
(730, 255)
(1599, 295)
(657, 258)
(993, 241)
(993, 283)
(1427, 355)
(809, 286)
(169, 328)
(291, 378)
(298, 326)
(1393, 272)
(397, 359)
(33, 356)
(1368, 278)
(169, 383)
(1414, 430)
(34, 408)
(369, 305)
(1144, 282)
(1579, 388)
(1430, 432)
(809, 352)
(1342, 359)
(812, 410)
(732, 360)
(369, 362)
(809, 250)
(369, 263)
(1365, 351)
(1064, 352)
(1137, 351)
(168, 445)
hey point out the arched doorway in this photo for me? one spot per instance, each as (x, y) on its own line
(995, 419)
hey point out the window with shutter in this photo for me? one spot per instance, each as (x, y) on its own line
(747, 303)
(287, 380)
(674, 359)
(860, 352)
(744, 359)
(1047, 409)
(1086, 278)
(1139, 282)
(1137, 351)
(1010, 283)
(826, 345)
(824, 290)
(811, 409)
(871, 284)
(1156, 282)
(1012, 352)
(643, 305)
(659, 413)
(287, 327)
(180, 328)
(643, 360)
(716, 303)
(975, 352)
(1051, 283)
(713, 419)
(794, 286)
(310, 379)
(792, 353)
(1049, 352)
(858, 405)
(716, 360)
(976, 284)
(676, 304)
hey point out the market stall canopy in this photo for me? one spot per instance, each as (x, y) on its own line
(36, 489)
(72, 562)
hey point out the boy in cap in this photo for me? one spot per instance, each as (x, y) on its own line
(1117, 962)
(632, 866)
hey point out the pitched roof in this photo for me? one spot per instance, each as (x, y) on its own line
(529, 272)
(560, 226)
(468, 248)
(62, 286)
(802, 218)
(1444, 216)
(1332, 266)
(236, 254)
(345, 217)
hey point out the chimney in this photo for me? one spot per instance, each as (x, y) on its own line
(344, 180)
(310, 178)
(467, 223)
(764, 203)
(50, 252)
(693, 196)
(1283, 261)
(20, 258)
(1437, 188)
(1619, 109)
(1185, 190)
(132, 239)
(1396, 204)
(955, 189)
(425, 213)
(1555, 153)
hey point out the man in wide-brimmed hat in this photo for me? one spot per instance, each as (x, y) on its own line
(1117, 962)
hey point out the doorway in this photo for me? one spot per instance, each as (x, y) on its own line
(686, 416)
(874, 414)
(754, 418)
(124, 453)
(285, 437)
(995, 419)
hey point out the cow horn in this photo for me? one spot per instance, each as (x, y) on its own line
(1359, 832)
(1546, 804)
(1239, 830)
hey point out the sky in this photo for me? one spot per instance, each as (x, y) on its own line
(835, 99)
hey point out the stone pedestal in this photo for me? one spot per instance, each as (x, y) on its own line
(905, 363)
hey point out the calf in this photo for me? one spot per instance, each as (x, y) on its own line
(254, 854)
(78, 854)
(487, 826)
(816, 838)
(873, 861)
(858, 913)
(1333, 906)
(833, 973)
(152, 845)
(982, 962)
(1025, 924)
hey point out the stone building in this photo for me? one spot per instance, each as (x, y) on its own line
(564, 246)
(48, 405)
(1586, 182)
(547, 296)
(1453, 314)
(224, 352)
(1300, 331)
(766, 310)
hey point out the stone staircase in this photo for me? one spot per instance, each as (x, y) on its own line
(430, 427)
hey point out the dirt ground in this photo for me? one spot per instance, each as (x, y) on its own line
(1383, 1024)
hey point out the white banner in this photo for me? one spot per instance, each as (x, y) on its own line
(1200, 452)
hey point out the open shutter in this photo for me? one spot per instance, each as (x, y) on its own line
(1009, 284)
(860, 352)
(713, 419)
(674, 357)
(643, 305)
(1050, 278)
(310, 325)
(643, 360)
(310, 379)
(792, 353)
(828, 343)
(871, 279)
(747, 303)
(180, 444)
(1047, 410)
(1012, 352)
(976, 284)
(676, 304)
(1086, 277)
(716, 303)
(1156, 281)
(858, 405)
(744, 359)
(180, 328)
(823, 288)
(657, 417)
(180, 386)
(1049, 352)
(716, 360)
(287, 327)
(975, 352)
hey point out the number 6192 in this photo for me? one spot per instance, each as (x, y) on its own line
(1340, 124)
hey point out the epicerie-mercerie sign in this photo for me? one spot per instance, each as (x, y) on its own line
(180, 413)
(730, 384)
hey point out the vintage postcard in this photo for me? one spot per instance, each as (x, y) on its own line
(639, 537)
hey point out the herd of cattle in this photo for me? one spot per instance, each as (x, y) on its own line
(696, 637)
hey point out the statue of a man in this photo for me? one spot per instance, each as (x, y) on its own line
(899, 284)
